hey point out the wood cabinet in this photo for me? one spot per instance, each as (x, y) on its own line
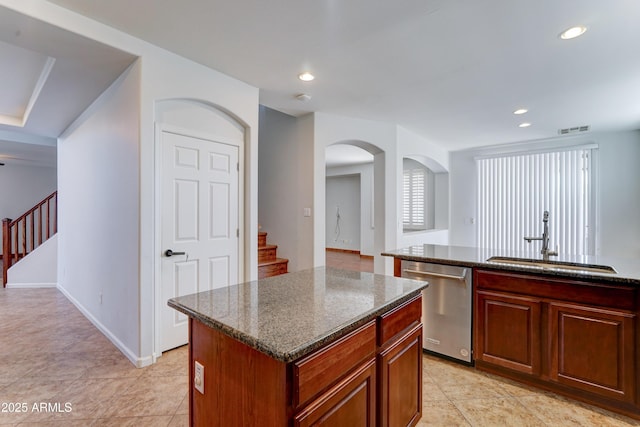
(400, 365)
(576, 338)
(593, 349)
(508, 332)
(370, 377)
(400, 377)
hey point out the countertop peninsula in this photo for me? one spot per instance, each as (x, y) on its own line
(289, 316)
(627, 269)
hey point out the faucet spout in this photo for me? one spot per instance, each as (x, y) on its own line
(546, 253)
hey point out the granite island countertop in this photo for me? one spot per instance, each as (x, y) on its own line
(627, 269)
(289, 316)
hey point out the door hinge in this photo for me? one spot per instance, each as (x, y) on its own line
(238, 167)
(237, 232)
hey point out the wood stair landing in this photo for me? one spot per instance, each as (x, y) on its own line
(268, 262)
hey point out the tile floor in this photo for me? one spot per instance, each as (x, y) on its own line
(50, 353)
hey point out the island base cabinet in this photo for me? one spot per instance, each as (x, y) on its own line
(371, 377)
(592, 350)
(400, 374)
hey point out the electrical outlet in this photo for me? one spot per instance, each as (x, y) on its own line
(198, 378)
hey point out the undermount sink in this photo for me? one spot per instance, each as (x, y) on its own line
(555, 265)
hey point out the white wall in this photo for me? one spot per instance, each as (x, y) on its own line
(22, 187)
(98, 173)
(343, 198)
(292, 169)
(617, 193)
(285, 189)
(38, 269)
(162, 75)
(366, 198)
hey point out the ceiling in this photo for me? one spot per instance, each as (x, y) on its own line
(48, 77)
(452, 71)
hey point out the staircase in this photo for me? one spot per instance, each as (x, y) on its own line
(268, 262)
(30, 230)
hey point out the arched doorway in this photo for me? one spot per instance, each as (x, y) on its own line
(352, 170)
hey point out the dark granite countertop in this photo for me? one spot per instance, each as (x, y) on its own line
(289, 316)
(627, 270)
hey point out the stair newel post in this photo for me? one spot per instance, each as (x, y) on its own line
(6, 249)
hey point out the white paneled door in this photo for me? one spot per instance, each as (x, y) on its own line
(199, 223)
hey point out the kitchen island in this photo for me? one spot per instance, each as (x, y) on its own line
(569, 324)
(320, 346)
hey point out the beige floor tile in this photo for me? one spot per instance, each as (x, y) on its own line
(497, 412)
(464, 391)
(443, 413)
(153, 421)
(57, 423)
(172, 363)
(183, 409)
(431, 392)
(556, 410)
(148, 396)
(179, 420)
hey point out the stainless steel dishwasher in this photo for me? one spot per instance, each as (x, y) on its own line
(446, 308)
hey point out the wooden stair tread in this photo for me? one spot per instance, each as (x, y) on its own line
(275, 261)
(269, 264)
(265, 247)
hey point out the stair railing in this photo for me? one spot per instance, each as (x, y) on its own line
(30, 230)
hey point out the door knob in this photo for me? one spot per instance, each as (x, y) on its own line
(169, 252)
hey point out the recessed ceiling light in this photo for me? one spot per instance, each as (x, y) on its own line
(524, 125)
(306, 76)
(573, 32)
(520, 111)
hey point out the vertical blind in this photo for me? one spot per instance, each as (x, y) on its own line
(514, 191)
(413, 200)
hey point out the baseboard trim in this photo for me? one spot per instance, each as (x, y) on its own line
(346, 251)
(31, 285)
(139, 362)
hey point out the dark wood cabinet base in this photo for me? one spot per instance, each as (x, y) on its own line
(578, 339)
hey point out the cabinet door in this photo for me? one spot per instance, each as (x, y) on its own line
(508, 331)
(593, 349)
(351, 402)
(400, 375)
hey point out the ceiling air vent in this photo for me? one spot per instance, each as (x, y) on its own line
(576, 129)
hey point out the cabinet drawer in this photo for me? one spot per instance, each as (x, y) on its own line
(314, 373)
(402, 317)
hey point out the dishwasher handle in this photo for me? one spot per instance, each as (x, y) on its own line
(438, 275)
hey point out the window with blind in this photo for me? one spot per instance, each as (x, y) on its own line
(515, 190)
(413, 206)
(418, 188)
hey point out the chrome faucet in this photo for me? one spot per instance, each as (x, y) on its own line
(546, 253)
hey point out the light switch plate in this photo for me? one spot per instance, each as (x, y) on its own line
(198, 378)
